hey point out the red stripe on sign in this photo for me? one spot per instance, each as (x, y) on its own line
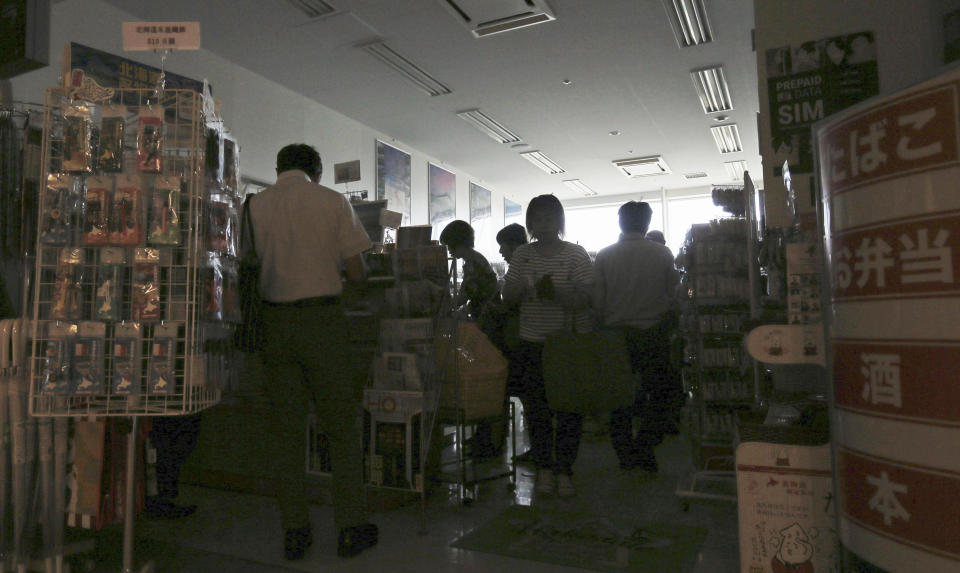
(899, 380)
(784, 470)
(912, 258)
(910, 505)
(915, 133)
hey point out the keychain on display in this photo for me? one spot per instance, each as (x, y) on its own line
(55, 369)
(126, 359)
(88, 359)
(220, 225)
(231, 312)
(56, 220)
(109, 284)
(126, 214)
(150, 139)
(96, 208)
(213, 308)
(231, 162)
(110, 151)
(163, 354)
(67, 289)
(146, 285)
(76, 139)
(164, 222)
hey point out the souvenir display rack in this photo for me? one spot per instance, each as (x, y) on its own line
(721, 280)
(135, 255)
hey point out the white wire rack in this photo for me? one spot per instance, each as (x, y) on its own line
(150, 358)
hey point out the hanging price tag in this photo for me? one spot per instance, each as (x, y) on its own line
(161, 36)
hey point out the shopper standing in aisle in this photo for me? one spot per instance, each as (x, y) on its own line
(552, 281)
(305, 235)
(635, 283)
(479, 283)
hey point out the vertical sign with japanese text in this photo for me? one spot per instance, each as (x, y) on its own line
(889, 171)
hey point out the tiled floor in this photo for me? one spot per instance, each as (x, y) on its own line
(240, 533)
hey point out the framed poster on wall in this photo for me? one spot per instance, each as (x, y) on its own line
(481, 211)
(393, 179)
(442, 191)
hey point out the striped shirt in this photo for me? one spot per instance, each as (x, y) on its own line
(569, 269)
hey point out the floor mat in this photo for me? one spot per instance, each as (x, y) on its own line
(578, 539)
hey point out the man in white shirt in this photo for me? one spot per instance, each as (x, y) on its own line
(635, 283)
(306, 235)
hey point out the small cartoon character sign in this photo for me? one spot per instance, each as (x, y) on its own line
(794, 553)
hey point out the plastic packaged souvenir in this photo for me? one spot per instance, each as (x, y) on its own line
(163, 354)
(67, 287)
(163, 223)
(96, 211)
(110, 148)
(126, 359)
(220, 223)
(231, 163)
(76, 138)
(88, 359)
(126, 213)
(57, 210)
(145, 299)
(55, 367)
(150, 139)
(212, 277)
(109, 284)
(213, 162)
(231, 310)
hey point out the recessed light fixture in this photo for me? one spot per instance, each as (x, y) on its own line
(689, 21)
(727, 138)
(489, 126)
(579, 186)
(542, 161)
(735, 169)
(410, 71)
(712, 89)
(567, 82)
(615, 132)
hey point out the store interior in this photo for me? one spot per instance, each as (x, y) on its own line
(738, 121)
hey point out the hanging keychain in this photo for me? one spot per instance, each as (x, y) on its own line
(88, 359)
(126, 359)
(67, 289)
(164, 221)
(146, 285)
(56, 215)
(110, 150)
(163, 354)
(96, 209)
(109, 284)
(76, 141)
(55, 368)
(126, 214)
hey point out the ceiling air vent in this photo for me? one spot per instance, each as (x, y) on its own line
(313, 8)
(643, 166)
(410, 71)
(688, 18)
(488, 17)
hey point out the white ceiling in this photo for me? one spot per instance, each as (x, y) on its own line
(626, 70)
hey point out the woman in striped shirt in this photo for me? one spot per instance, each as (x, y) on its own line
(552, 280)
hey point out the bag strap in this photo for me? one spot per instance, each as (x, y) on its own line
(246, 229)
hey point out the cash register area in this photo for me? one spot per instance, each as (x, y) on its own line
(240, 533)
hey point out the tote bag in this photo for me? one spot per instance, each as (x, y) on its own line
(587, 372)
(249, 334)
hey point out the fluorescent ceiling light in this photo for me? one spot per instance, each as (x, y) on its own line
(696, 175)
(313, 8)
(580, 186)
(512, 23)
(727, 138)
(542, 161)
(410, 71)
(712, 89)
(689, 21)
(489, 126)
(735, 169)
(643, 166)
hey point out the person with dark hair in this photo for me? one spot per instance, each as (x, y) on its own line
(552, 281)
(635, 283)
(509, 238)
(305, 234)
(479, 283)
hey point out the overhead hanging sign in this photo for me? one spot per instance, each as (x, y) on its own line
(889, 171)
(109, 70)
(161, 36)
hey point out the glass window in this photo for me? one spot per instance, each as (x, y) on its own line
(597, 227)
(684, 213)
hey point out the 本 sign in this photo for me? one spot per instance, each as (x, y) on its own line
(161, 36)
